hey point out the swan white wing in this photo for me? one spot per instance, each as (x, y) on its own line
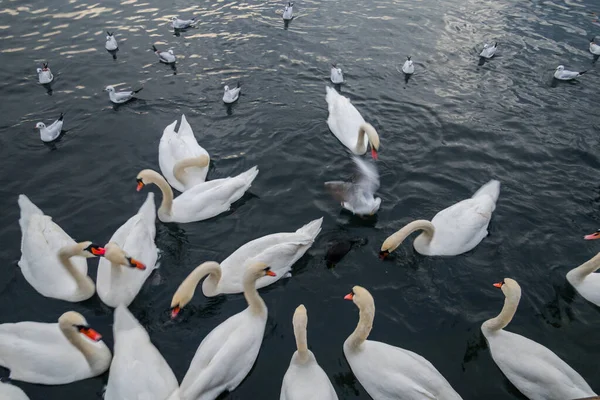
(224, 357)
(11, 392)
(40, 353)
(306, 381)
(535, 370)
(344, 120)
(392, 373)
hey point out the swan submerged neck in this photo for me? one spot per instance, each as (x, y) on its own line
(512, 291)
(149, 176)
(299, 321)
(180, 166)
(391, 243)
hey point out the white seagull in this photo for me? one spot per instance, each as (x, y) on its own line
(488, 51)
(594, 48)
(231, 95)
(184, 23)
(50, 133)
(111, 42)
(288, 12)
(166, 57)
(120, 97)
(44, 74)
(565, 75)
(358, 196)
(408, 68)
(336, 74)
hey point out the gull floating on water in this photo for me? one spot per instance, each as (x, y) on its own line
(50, 133)
(358, 196)
(166, 57)
(111, 42)
(184, 23)
(564, 75)
(288, 12)
(231, 95)
(336, 74)
(408, 68)
(488, 51)
(120, 97)
(44, 74)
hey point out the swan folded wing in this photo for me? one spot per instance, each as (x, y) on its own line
(464, 220)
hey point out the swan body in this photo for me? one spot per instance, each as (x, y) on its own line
(585, 281)
(304, 378)
(174, 148)
(121, 277)
(203, 201)
(11, 392)
(52, 132)
(535, 370)
(408, 68)
(288, 12)
(228, 352)
(138, 371)
(336, 75)
(166, 57)
(388, 372)
(53, 354)
(279, 250)
(46, 252)
(183, 23)
(454, 230)
(230, 95)
(111, 42)
(44, 74)
(565, 75)
(346, 123)
(488, 51)
(120, 97)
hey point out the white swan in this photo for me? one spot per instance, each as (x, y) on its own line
(181, 159)
(535, 370)
(346, 123)
(454, 230)
(44, 74)
(11, 392)
(53, 354)
(227, 353)
(203, 201)
(304, 378)
(46, 252)
(585, 281)
(279, 250)
(387, 372)
(111, 42)
(52, 132)
(120, 277)
(138, 370)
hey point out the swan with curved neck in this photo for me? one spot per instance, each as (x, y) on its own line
(400, 374)
(53, 354)
(204, 200)
(584, 280)
(185, 291)
(346, 123)
(228, 352)
(179, 168)
(452, 231)
(304, 378)
(535, 370)
(85, 284)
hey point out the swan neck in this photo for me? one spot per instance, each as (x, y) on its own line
(86, 348)
(592, 265)
(506, 315)
(363, 328)
(166, 204)
(301, 342)
(214, 276)
(181, 165)
(255, 302)
(84, 282)
(420, 224)
(367, 130)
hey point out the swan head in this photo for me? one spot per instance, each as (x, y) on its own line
(117, 256)
(593, 236)
(510, 288)
(185, 291)
(73, 321)
(83, 249)
(361, 297)
(109, 89)
(40, 125)
(144, 177)
(300, 318)
(560, 68)
(257, 270)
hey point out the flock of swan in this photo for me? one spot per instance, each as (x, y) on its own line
(70, 350)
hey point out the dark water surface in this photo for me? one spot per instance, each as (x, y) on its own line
(450, 129)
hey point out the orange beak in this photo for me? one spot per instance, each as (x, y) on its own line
(499, 284)
(271, 273)
(92, 334)
(140, 185)
(349, 296)
(595, 235)
(136, 264)
(99, 251)
(175, 311)
(374, 154)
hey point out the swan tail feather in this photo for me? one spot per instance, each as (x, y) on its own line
(492, 189)
(185, 129)
(249, 175)
(311, 229)
(27, 210)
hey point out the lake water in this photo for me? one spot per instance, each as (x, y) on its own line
(451, 128)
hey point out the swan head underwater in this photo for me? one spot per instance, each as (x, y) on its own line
(72, 320)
